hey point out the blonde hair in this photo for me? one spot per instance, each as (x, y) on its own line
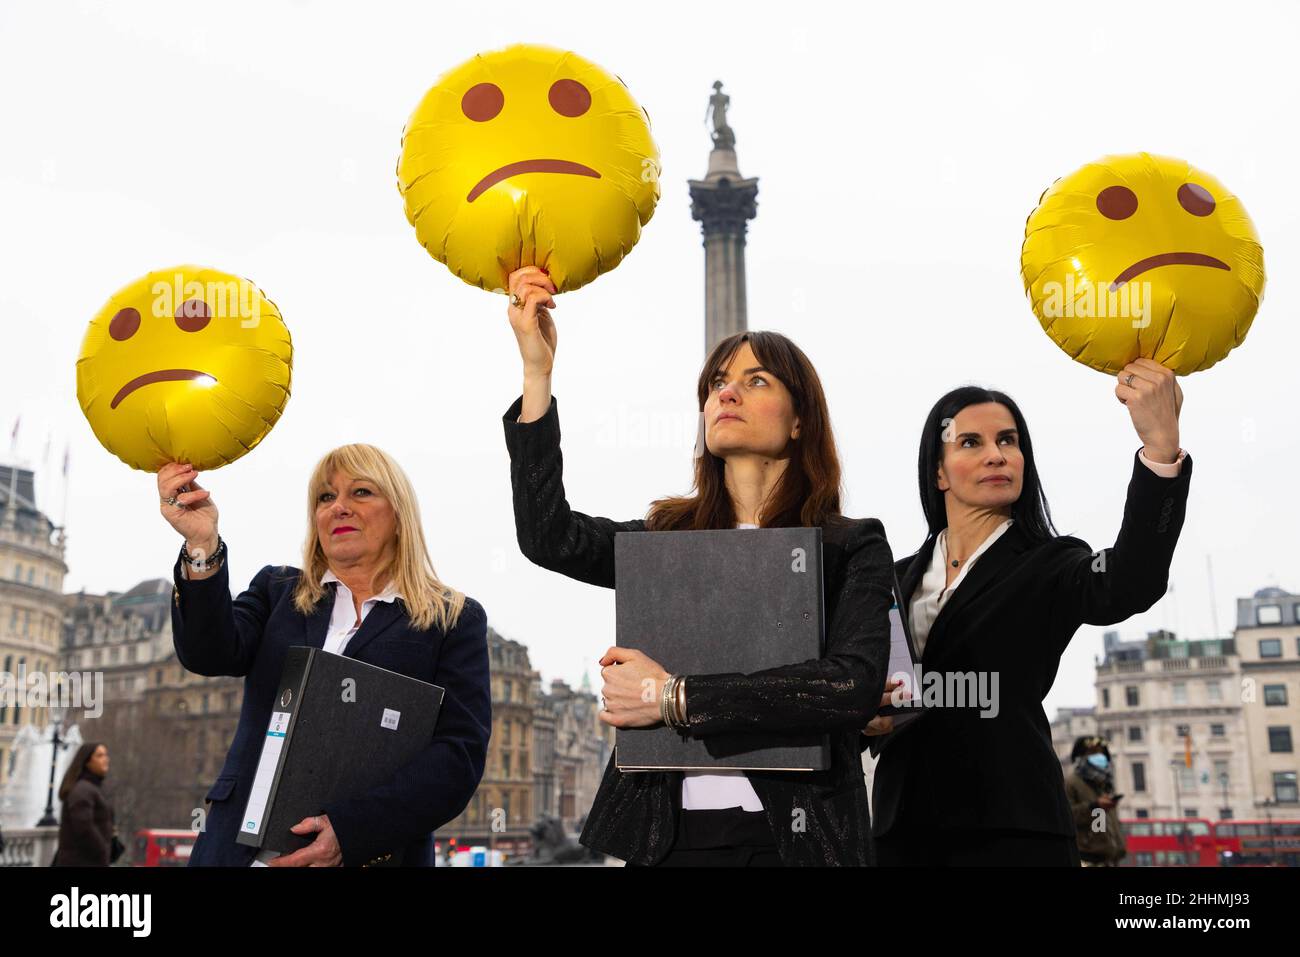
(428, 601)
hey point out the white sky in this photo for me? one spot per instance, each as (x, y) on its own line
(899, 150)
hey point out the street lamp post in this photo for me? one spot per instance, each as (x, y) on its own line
(49, 820)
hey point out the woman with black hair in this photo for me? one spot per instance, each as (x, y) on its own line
(993, 596)
(766, 459)
(86, 820)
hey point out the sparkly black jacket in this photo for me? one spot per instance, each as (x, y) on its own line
(817, 817)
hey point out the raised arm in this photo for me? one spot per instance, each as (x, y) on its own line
(1132, 575)
(437, 785)
(1102, 588)
(841, 689)
(212, 634)
(550, 533)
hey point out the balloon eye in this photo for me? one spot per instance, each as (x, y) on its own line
(192, 315)
(1195, 199)
(125, 324)
(1117, 202)
(569, 98)
(482, 102)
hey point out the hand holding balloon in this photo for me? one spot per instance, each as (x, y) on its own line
(1154, 400)
(194, 515)
(535, 333)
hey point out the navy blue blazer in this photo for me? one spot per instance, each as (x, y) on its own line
(249, 636)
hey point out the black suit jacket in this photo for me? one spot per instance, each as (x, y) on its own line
(818, 817)
(249, 637)
(1014, 613)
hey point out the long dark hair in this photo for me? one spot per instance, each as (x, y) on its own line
(76, 766)
(1030, 510)
(808, 493)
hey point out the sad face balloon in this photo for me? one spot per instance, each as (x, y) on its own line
(1142, 255)
(528, 156)
(184, 365)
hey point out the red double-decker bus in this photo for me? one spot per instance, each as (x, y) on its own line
(1258, 843)
(1170, 842)
(156, 847)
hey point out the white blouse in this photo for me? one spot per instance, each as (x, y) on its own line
(934, 591)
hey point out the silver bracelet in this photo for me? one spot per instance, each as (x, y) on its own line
(665, 701)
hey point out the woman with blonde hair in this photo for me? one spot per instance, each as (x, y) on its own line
(367, 589)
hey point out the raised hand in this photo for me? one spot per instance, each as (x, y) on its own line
(531, 320)
(1154, 400)
(194, 514)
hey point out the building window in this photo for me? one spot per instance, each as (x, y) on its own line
(1139, 778)
(1105, 697)
(1274, 695)
(1270, 647)
(1221, 773)
(1142, 814)
(1217, 731)
(1268, 615)
(1213, 691)
(1284, 787)
(507, 691)
(1225, 814)
(505, 727)
(1180, 692)
(1186, 779)
(1279, 739)
(1135, 732)
(1131, 696)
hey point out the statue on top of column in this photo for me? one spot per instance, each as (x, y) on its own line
(724, 137)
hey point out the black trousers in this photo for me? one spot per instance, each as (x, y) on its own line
(910, 847)
(723, 838)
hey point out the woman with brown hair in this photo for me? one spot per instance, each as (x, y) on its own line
(86, 822)
(767, 459)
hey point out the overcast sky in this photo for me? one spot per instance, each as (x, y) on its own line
(898, 148)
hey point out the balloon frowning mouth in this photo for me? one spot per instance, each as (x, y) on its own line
(162, 375)
(1167, 259)
(528, 166)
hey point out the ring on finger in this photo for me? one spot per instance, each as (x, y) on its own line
(515, 300)
(1129, 381)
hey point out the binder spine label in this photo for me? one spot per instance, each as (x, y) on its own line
(262, 781)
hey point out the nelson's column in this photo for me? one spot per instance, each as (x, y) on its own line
(723, 202)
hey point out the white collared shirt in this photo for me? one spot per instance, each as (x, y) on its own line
(934, 591)
(344, 620)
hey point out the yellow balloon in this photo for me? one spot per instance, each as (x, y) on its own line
(184, 365)
(528, 156)
(1142, 255)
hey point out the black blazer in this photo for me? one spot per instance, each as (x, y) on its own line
(817, 817)
(249, 637)
(1015, 612)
